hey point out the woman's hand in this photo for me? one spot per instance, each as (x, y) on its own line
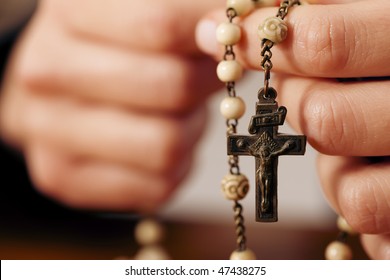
(106, 99)
(348, 122)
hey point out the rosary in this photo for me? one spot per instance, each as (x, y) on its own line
(264, 142)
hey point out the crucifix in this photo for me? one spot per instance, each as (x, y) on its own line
(266, 145)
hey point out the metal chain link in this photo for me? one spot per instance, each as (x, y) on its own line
(266, 45)
(231, 124)
(240, 227)
(231, 129)
(285, 6)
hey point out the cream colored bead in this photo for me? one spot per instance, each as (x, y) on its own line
(149, 232)
(338, 251)
(229, 71)
(273, 29)
(228, 33)
(232, 108)
(242, 7)
(235, 187)
(243, 255)
(152, 253)
(344, 226)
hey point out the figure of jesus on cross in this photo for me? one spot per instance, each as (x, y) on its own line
(265, 152)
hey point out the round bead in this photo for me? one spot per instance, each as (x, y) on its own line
(228, 33)
(152, 253)
(247, 254)
(229, 71)
(242, 7)
(273, 29)
(338, 251)
(343, 225)
(149, 232)
(232, 108)
(235, 187)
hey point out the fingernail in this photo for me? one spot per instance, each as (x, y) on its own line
(205, 36)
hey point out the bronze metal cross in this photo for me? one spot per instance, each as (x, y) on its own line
(266, 145)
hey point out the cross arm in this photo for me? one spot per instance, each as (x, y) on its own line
(298, 146)
(238, 145)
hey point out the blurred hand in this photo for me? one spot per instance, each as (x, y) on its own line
(106, 99)
(345, 121)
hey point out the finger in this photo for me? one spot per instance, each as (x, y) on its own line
(147, 25)
(99, 185)
(348, 119)
(156, 143)
(99, 73)
(357, 190)
(377, 246)
(343, 40)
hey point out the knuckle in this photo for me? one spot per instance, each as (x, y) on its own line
(46, 177)
(165, 26)
(365, 206)
(177, 95)
(322, 43)
(32, 73)
(168, 147)
(326, 129)
(38, 124)
(335, 126)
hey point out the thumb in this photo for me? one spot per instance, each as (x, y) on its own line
(205, 35)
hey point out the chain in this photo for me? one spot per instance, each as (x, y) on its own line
(240, 228)
(235, 185)
(231, 129)
(285, 6)
(266, 45)
(231, 124)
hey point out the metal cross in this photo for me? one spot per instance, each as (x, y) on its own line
(266, 145)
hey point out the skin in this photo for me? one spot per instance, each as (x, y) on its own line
(106, 100)
(346, 122)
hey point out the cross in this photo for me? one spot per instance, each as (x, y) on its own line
(266, 145)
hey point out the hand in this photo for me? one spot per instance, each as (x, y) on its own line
(106, 99)
(345, 121)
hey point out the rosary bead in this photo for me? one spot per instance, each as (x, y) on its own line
(232, 108)
(343, 225)
(235, 187)
(149, 232)
(338, 251)
(242, 7)
(247, 254)
(228, 33)
(152, 253)
(229, 71)
(273, 29)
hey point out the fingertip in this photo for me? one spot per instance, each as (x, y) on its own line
(377, 246)
(205, 36)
